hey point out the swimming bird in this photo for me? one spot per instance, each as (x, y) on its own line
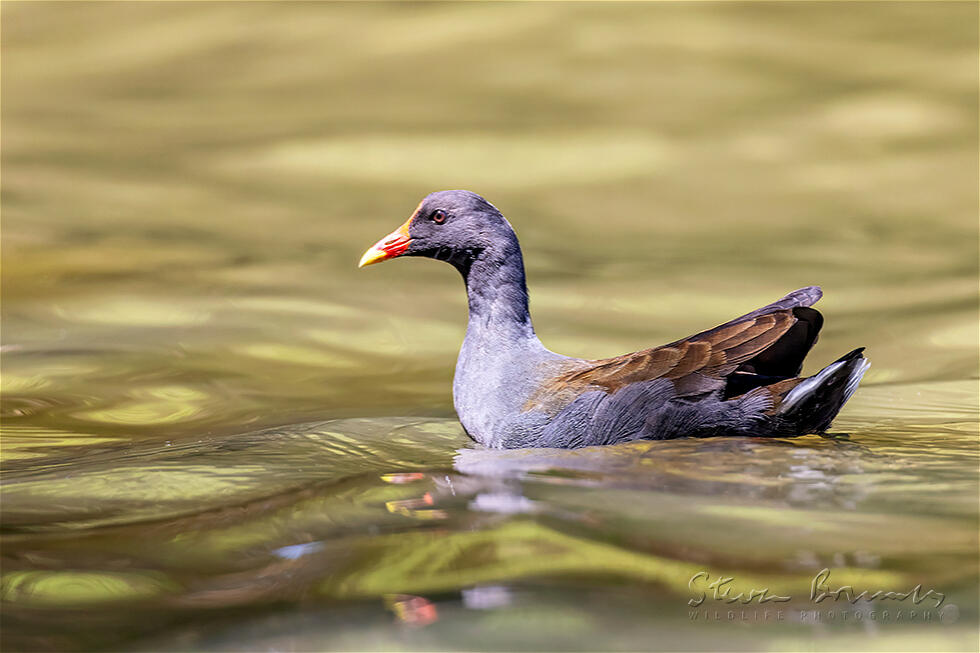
(509, 391)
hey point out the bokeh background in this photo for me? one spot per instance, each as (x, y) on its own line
(187, 188)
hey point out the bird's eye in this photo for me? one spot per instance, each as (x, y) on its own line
(439, 216)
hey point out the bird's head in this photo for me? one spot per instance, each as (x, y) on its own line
(449, 225)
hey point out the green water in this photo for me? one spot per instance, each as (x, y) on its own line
(218, 434)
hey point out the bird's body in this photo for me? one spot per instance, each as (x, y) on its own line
(510, 391)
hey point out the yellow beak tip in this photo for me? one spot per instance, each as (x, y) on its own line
(371, 257)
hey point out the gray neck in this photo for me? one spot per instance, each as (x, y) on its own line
(501, 354)
(501, 357)
(497, 292)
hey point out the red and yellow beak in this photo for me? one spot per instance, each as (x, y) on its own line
(392, 245)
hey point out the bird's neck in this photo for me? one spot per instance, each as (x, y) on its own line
(497, 292)
(500, 355)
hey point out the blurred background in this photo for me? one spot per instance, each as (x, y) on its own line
(187, 188)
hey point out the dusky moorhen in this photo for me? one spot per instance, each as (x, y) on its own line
(509, 391)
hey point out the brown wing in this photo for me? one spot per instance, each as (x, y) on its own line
(696, 365)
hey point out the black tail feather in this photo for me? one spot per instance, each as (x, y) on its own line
(812, 405)
(781, 360)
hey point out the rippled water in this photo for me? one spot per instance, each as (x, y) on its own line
(219, 435)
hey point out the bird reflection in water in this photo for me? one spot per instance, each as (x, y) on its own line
(420, 508)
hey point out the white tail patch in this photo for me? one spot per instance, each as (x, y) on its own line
(808, 386)
(856, 374)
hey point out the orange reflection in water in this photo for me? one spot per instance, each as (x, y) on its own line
(412, 610)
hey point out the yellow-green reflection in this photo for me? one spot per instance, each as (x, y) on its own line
(68, 589)
(152, 405)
